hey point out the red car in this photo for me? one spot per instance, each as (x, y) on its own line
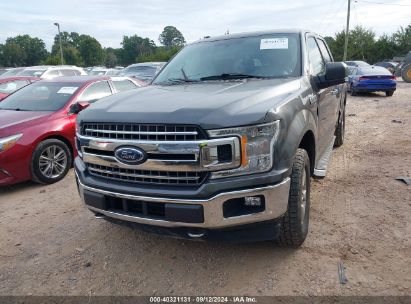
(37, 125)
(11, 84)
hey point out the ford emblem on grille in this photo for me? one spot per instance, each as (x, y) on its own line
(130, 155)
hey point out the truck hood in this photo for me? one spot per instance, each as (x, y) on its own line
(15, 121)
(214, 104)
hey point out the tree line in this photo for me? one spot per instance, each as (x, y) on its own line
(364, 45)
(84, 50)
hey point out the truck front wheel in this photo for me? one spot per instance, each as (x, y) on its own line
(294, 224)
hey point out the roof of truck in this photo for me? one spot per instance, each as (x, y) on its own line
(253, 34)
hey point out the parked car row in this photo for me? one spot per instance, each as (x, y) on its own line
(37, 123)
(142, 71)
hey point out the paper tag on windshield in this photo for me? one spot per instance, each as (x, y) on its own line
(274, 43)
(67, 90)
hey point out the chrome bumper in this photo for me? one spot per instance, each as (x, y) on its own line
(276, 200)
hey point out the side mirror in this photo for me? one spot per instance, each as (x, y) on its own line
(75, 108)
(335, 73)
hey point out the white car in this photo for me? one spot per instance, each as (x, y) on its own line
(50, 72)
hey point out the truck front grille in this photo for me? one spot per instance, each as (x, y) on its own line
(148, 176)
(154, 132)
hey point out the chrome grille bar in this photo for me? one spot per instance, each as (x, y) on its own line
(141, 133)
(157, 132)
(147, 177)
(195, 178)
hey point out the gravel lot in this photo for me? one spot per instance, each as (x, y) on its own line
(51, 245)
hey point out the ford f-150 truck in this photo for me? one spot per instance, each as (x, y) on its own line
(223, 143)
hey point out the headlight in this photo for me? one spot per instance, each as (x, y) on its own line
(257, 143)
(8, 142)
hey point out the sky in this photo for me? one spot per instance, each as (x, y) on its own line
(109, 20)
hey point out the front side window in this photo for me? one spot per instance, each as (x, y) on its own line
(317, 65)
(96, 91)
(266, 56)
(324, 51)
(41, 96)
(11, 86)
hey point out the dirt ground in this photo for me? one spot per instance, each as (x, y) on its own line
(360, 215)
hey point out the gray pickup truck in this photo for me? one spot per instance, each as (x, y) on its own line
(223, 143)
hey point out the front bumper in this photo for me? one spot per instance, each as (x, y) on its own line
(210, 211)
(15, 165)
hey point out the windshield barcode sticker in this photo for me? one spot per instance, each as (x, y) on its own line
(67, 90)
(274, 43)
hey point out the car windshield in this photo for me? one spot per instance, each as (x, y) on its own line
(41, 96)
(11, 86)
(11, 72)
(149, 71)
(34, 73)
(266, 56)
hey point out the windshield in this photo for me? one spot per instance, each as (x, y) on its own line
(140, 71)
(41, 96)
(11, 86)
(34, 73)
(267, 56)
(11, 72)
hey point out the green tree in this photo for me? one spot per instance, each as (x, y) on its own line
(402, 40)
(111, 59)
(2, 55)
(14, 55)
(171, 36)
(135, 46)
(360, 44)
(160, 54)
(383, 49)
(72, 56)
(24, 50)
(90, 50)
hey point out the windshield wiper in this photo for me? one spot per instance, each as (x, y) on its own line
(177, 81)
(230, 76)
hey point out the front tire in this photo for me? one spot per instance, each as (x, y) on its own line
(294, 224)
(51, 161)
(340, 130)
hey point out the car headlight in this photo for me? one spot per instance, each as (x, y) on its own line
(8, 142)
(257, 143)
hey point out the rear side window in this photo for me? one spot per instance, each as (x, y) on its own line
(67, 73)
(96, 91)
(317, 65)
(11, 86)
(324, 51)
(53, 73)
(123, 85)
